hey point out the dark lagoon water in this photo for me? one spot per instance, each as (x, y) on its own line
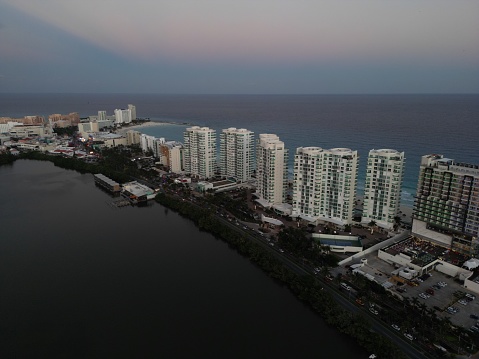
(415, 124)
(79, 279)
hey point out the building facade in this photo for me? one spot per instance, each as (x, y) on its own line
(324, 186)
(446, 207)
(271, 169)
(133, 138)
(200, 151)
(101, 115)
(171, 156)
(59, 120)
(382, 190)
(149, 143)
(132, 109)
(236, 154)
(122, 117)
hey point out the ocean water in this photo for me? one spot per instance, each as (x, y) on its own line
(415, 124)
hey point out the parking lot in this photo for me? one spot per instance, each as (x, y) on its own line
(439, 299)
(449, 295)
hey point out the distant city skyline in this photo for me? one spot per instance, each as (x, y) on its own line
(234, 47)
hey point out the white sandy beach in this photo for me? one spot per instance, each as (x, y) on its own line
(125, 129)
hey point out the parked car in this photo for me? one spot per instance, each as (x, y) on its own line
(396, 327)
(430, 291)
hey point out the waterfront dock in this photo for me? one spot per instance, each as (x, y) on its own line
(107, 183)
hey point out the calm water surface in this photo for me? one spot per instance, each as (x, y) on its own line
(79, 279)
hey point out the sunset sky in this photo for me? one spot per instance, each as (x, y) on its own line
(242, 46)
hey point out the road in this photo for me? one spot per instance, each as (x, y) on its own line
(408, 348)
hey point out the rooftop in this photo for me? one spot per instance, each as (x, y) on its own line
(423, 252)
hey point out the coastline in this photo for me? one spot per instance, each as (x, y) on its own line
(148, 124)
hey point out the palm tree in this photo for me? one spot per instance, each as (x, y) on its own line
(414, 302)
(371, 225)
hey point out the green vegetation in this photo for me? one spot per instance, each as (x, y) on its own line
(7, 159)
(306, 288)
(237, 205)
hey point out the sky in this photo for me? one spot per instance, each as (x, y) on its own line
(240, 46)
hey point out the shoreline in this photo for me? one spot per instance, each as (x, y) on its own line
(148, 124)
(152, 123)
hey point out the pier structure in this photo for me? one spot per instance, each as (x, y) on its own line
(107, 183)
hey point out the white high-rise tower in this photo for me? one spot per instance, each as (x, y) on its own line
(271, 169)
(324, 187)
(236, 153)
(132, 109)
(382, 190)
(200, 151)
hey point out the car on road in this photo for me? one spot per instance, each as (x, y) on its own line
(374, 311)
(396, 327)
(345, 286)
(408, 336)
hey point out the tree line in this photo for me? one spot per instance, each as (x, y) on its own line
(307, 288)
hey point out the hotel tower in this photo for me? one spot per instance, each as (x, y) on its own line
(200, 151)
(271, 169)
(382, 189)
(236, 154)
(324, 187)
(446, 208)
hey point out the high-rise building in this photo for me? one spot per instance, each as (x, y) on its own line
(132, 109)
(133, 138)
(236, 153)
(171, 156)
(200, 151)
(271, 169)
(382, 192)
(446, 208)
(149, 143)
(101, 115)
(122, 116)
(324, 186)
